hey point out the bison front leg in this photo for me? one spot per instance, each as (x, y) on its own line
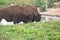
(27, 19)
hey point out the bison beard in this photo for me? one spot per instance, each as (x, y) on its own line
(20, 13)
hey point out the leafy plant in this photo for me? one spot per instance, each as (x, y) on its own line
(31, 31)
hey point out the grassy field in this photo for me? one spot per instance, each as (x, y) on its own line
(31, 31)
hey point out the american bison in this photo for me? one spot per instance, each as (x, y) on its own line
(20, 13)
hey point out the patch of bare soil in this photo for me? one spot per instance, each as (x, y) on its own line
(52, 11)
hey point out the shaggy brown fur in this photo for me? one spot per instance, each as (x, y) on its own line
(20, 13)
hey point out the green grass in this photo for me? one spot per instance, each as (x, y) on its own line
(31, 31)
